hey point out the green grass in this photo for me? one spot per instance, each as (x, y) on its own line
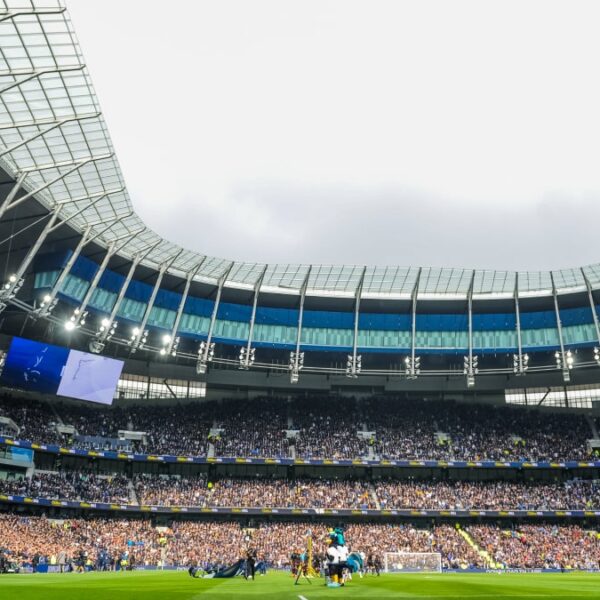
(178, 585)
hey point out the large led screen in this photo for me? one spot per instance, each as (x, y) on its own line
(34, 366)
(49, 369)
(90, 377)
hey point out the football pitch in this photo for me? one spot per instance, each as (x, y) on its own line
(178, 585)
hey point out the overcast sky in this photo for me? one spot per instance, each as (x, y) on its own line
(371, 132)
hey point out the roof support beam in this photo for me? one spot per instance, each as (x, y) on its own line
(6, 15)
(40, 122)
(35, 74)
(140, 338)
(10, 198)
(87, 207)
(97, 198)
(412, 363)
(520, 360)
(87, 237)
(47, 130)
(471, 362)
(247, 356)
(207, 349)
(97, 195)
(113, 248)
(171, 346)
(48, 303)
(105, 332)
(297, 358)
(588, 286)
(564, 360)
(15, 282)
(354, 366)
(10, 202)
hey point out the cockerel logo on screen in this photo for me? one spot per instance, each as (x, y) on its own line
(31, 374)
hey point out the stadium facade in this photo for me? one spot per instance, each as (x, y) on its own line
(81, 268)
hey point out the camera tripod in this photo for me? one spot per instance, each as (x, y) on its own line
(302, 572)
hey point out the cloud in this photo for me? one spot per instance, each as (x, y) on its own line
(431, 133)
(284, 222)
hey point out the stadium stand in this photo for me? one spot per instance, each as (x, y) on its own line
(212, 544)
(305, 493)
(402, 430)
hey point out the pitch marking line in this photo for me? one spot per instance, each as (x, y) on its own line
(302, 598)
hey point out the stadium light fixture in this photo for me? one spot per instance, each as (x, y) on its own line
(565, 364)
(520, 363)
(138, 338)
(169, 345)
(10, 290)
(246, 358)
(46, 305)
(295, 366)
(206, 352)
(353, 366)
(597, 355)
(470, 369)
(413, 367)
(104, 333)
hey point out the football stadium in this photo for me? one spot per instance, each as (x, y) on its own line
(178, 425)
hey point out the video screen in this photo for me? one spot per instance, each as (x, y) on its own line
(90, 377)
(34, 366)
(48, 369)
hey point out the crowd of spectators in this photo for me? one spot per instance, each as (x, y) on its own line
(309, 493)
(274, 493)
(69, 485)
(253, 428)
(488, 495)
(28, 539)
(474, 432)
(35, 419)
(328, 427)
(539, 546)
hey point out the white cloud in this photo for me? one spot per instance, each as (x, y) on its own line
(319, 131)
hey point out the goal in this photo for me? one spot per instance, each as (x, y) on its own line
(412, 562)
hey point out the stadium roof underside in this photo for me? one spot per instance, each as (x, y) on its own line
(55, 143)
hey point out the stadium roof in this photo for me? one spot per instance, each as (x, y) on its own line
(53, 138)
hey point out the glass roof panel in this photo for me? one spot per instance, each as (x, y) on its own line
(50, 119)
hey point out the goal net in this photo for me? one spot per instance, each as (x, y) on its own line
(412, 562)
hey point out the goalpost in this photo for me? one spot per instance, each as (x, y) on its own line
(412, 562)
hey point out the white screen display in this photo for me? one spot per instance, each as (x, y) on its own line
(90, 377)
